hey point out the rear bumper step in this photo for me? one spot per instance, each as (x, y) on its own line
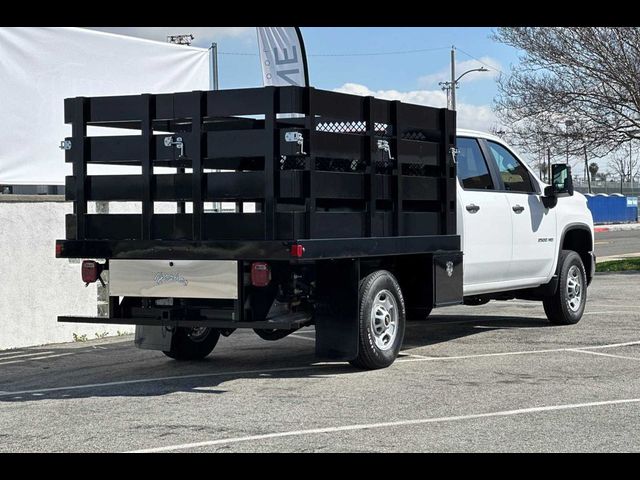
(289, 322)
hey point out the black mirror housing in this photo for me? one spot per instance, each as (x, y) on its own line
(561, 180)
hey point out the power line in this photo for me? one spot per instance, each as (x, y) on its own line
(360, 54)
(370, 54)
(492, 67)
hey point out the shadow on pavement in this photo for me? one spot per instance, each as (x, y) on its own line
(205, 377)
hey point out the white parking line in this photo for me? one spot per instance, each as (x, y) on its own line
(604, 354)
(371, 426)
(611, 345)
(24, 355)
(319, 365)
(174, 377)
(10, 352)
(35, 358)
(301, 337)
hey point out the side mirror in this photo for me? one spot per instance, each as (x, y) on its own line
(561, 180)
(561, 185)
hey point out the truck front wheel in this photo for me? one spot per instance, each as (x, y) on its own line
(192, 343)
(566, 306)
(381, 320)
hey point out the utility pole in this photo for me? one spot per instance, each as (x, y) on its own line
(630, 171)
(453, 77)
(549, 165)
(586, 167)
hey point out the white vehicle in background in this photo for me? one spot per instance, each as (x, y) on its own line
(521, 238)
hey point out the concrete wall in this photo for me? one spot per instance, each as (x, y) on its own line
(35, 287)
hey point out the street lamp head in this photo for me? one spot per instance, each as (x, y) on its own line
(481, 69)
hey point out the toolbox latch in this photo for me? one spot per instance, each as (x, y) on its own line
(295, 137)
(169, 141)
(384, 146)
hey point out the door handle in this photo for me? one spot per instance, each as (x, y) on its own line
(472, 208)
(518, 208)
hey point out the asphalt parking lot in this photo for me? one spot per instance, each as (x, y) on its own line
(491, 378)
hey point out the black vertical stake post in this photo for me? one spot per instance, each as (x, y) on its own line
(398, 225)
(370, 160)
(310, 163)
(272, 148)
(195, 153)
(78, 154)
(448, 171)
(148, 154)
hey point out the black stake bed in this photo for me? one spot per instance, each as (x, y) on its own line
(316, 165)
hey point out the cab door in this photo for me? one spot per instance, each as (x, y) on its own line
(484, 220)
(534, 226)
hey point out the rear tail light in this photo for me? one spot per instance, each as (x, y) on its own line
(297, 250)
(260, 274)
(58, 249)
(91, 271)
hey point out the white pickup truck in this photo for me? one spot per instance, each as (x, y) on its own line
(520, 241)
(367, 213)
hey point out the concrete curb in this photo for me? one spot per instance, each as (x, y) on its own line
(616, 227)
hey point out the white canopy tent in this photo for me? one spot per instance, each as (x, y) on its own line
(41, 66)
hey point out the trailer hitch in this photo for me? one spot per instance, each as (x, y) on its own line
(168, 142)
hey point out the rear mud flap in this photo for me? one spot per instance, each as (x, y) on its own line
(336, 317)
(153, 337)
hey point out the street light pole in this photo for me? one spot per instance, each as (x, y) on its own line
(453, 78)
(450, 87)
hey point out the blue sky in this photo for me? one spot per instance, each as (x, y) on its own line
(408, 77)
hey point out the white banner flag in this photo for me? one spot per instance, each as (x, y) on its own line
(41, 66)
(282, 56)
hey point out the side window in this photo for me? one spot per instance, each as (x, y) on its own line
(515, 177)
(472, 167)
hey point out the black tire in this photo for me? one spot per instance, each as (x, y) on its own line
(273, 334)
(557, 306)
(370, 355)
(187, 346)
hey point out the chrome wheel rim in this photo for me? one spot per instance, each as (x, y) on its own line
(384, 320)
(574, 288)
(197, 334)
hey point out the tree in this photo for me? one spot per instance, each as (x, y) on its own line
(593, 169)
(624, 166)
(587, 75)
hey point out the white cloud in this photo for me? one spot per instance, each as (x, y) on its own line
(444, 75)
(203, 35)
(474, 117)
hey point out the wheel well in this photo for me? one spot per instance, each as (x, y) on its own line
(579, 240)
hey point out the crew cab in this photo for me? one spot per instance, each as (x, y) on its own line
(520, 238)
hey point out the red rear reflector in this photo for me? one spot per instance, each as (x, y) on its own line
(260, 274)
(58, 249)
(90, 271)
(297, 250)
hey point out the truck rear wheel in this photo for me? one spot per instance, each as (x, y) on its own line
(566, 306)
(381, 319)
(192, 343)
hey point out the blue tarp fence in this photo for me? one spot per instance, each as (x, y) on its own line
(614, 208)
